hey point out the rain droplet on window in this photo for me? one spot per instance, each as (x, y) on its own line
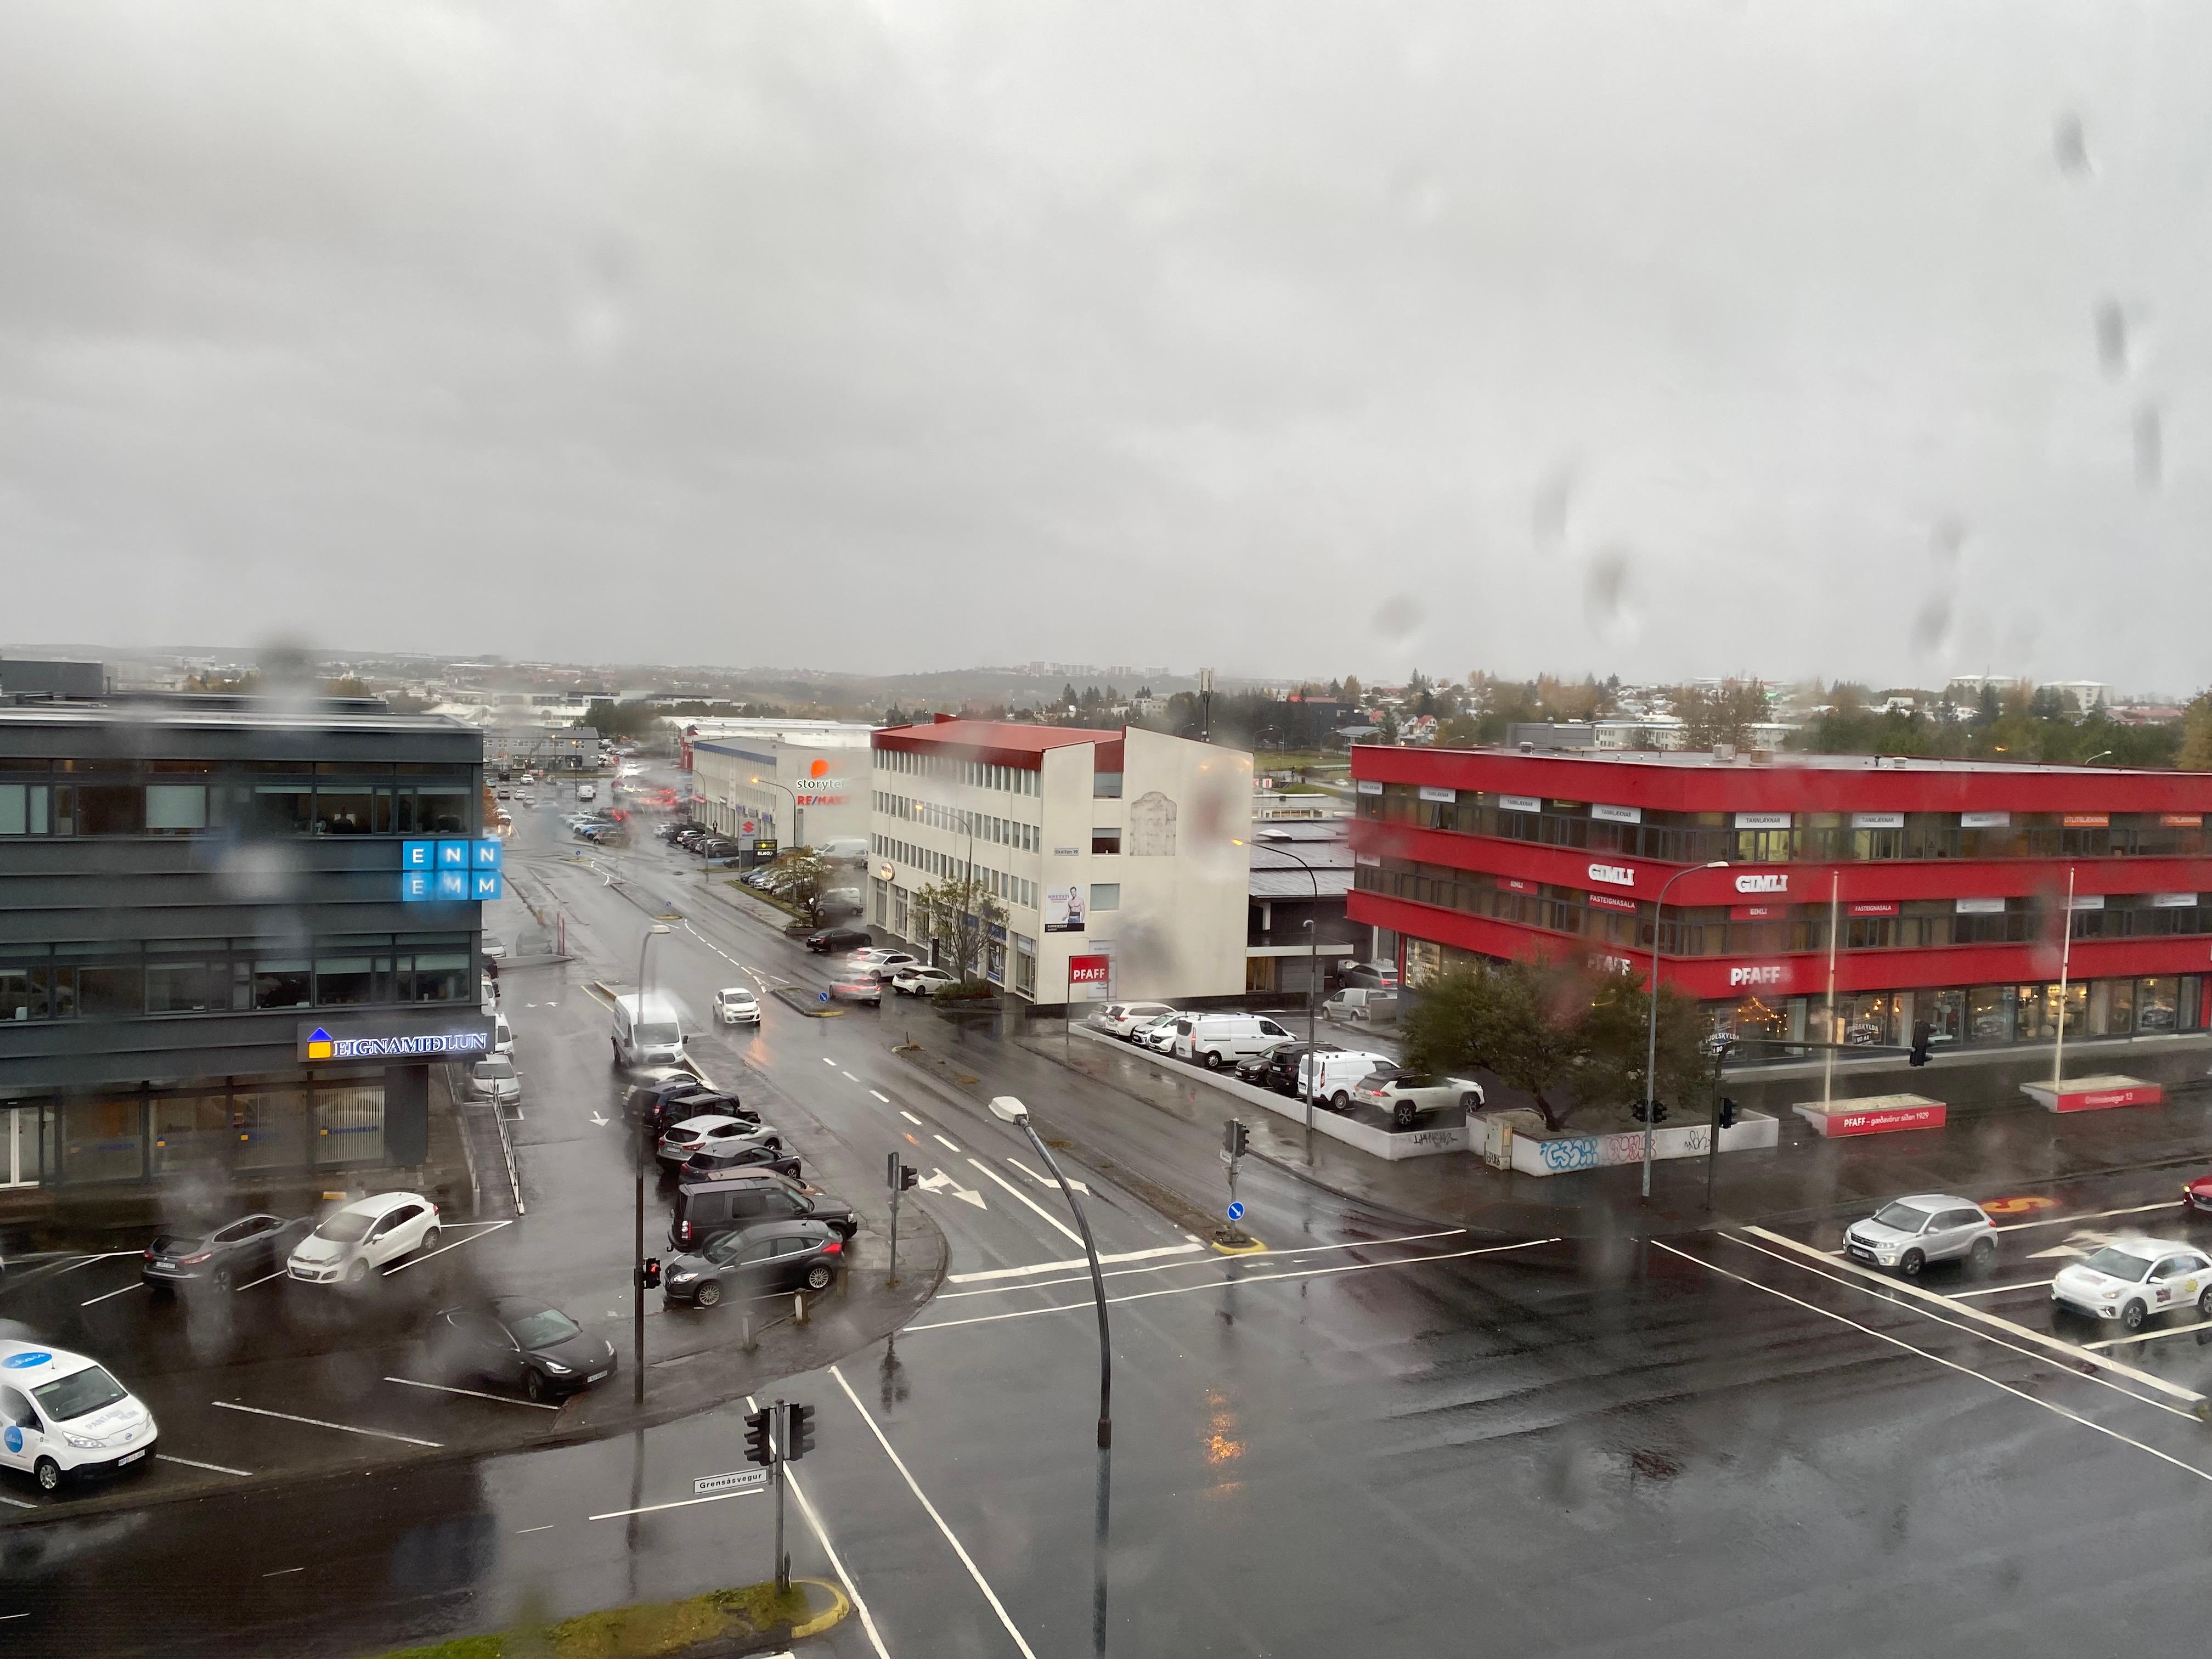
(1397, 616)
(2150, 442)
(2069, 146)
(2112, 338)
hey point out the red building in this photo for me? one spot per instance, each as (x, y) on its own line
(1945, 881)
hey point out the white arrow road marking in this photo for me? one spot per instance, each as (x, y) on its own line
(601, 1122)
(2080, 1244)
(937, 1180)
(1072, 1237)
(1046, 1181)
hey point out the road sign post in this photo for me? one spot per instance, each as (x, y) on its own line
(1235, 1137)
(891, 1176)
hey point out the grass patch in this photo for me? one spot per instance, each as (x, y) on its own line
(652, 1630)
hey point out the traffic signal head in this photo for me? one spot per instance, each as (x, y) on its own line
(1235, 1137)
(908, 1177)
(1658, 1111)
(1921, 1033)
(758, 1449)
(798, 1439)
(1727, 1118)
(649, 1274)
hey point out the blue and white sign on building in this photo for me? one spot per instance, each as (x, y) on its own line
(416, 855)
(485, 854)
(453, 885)
(454, 854)
(450, 871)
(485, 884)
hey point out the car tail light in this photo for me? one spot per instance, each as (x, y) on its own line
(686, 1227)
(194, 1261)
(834, 1247)
(150, 1248)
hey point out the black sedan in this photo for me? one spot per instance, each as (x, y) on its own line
(827, 939)
(772, 1259)
(221, 1258)
(514, 1341)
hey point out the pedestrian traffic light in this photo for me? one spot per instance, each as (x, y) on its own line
(1727, 1118)
(1658, 1111)
(649, 1274)
(758, 1449)
(1235, 1137)
(1921, 1033)
(910, 1178)
(799, 1434)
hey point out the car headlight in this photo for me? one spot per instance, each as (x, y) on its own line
(555, 1366)
(84, 1442)
(682, 1277)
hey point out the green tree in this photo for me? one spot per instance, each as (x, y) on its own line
(2196, 736)
(1520, 1021)
(959, 913)
(620, 720)
(1616, 1035)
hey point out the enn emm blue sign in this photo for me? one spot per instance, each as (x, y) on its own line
(448, 871)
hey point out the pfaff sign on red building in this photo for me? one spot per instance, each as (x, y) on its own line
(1090, 977)
(1938, 888)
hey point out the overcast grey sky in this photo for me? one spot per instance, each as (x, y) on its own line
(1664, 337)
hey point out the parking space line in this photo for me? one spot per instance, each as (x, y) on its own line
(1227, 1279)
(2081, 1216)
(264, 1279)
(2042, 1340)
(135, 1285)
(194, 1463)
(914, 1487)
(318, 1423)
(282, 1572)
(525, 1532)
(2151, 1336)
(20, 1503)
(473, 1393)
(1067, 1231)
(489, 1228)
(1948, 1365)
(103, 1255)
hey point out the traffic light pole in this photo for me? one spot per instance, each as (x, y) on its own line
(780, 1423)
(637, 1275)
(893, 1279)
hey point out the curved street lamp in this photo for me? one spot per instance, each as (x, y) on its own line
(1651, 1047)
(1313, 971)
(1011, 1110)
(637, 1271)
(798, 838)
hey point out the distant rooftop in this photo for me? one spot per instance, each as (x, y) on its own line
(1689, 760)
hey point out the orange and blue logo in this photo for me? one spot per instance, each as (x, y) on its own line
(319, 1044)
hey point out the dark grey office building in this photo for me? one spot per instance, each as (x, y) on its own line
(217, 971)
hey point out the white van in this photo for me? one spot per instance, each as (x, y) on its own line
(647, 1032)
(1219, 1040)
(62, 1415)
(503, 1037)
(1362, 1002)
(586, 792)
(845, 849)
(1342, 1072)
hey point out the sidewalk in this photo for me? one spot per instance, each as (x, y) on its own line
(1804, 1175)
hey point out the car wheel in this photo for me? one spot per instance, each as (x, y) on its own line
(2204, 1303)
(819, 1276)
(49, 1474)
(1470, 1103)
(1402, 1114)
(533, 1384)
(1983, 1256)
(1213, 1060)
(1339, 1102)
(430, 1241)
(220, 1278)
(2133, 1316)
(1910, 1263)
(709, 1294)
(358, 1271)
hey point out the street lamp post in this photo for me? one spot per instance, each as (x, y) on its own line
(2065, 961)
(1012, 1111)
(1313, 980)
(1651, 1047)
(637, 1270)
(798, 832)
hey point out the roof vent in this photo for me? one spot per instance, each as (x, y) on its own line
(1762, 757)
(1724, 751)
(1526, 747)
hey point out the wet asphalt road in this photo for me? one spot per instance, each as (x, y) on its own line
(1363, 1440)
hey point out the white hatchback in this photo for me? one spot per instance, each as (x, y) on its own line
(357, 1238)
(2131, 1278)
(62, 1415)
(737, 1004)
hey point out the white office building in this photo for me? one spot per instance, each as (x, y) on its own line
(1120, 856)
(798, 783)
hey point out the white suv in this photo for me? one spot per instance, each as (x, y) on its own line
(62, 1415)
(1911, 1232)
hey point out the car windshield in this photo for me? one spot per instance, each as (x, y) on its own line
(495, 1068)
(75, 1395)
(2119, 1264)
(659, 1032)
(544, 1328)
(1903, 1217)
(346, 1227)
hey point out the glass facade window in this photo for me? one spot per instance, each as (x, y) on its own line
(1989, 1013)
(22, 992)
(104, 1140)
(278, 809)
(1946, 1014)
(2158, 1005)
(441, 976)
(343, 812)
(186, 988)
(282, 982)
(269, 1128)
(111, 991)
(176, 807)
(190, 1131)
(349, 1123)
(345, 982)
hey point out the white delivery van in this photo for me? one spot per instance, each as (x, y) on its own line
(62, 1415)
(1218, 1040)
(1342, 1072)
(647, 1032)
(846, 849)
(586, 792)
(1357, 1002)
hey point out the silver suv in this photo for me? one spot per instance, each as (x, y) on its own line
(1909, 1233)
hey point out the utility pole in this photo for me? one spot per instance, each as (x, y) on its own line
(1205, 705)
(1235, 1138)
(900, 1177)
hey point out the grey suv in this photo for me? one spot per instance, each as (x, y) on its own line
(1909, 1233)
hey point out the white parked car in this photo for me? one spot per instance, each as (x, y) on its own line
(503, 1037)
(1155, 1033)
(1121, 1019)
(736, 1004)
(882, 963)
(356, 1238)
(1911, 1232)
(495, 949)
(62, 1415)
(2132, 1279)
(921, 980)
(1407, 1096)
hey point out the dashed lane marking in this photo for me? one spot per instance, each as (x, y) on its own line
(2081, 1216)
(525, 1532)
(2039, 1338)
(943, 1142)
(1948, 1364)
(1228, 1279)
(826, 1060)
(914, 1487)
(473, 1393)
(318, 1423)
(908, 1115)
(1051, 1220)
(283, 1573)
(191, 1463)
(885, 1098)
(847, 1075)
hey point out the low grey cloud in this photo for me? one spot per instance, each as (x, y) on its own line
(919, 336)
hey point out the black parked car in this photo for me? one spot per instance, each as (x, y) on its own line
(772, 1259)
(236, 1253)
(1282, 1072)
(516, 1342)
(662, 1103)
(828, 939)
(707, 1207)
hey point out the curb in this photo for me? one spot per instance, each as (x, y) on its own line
(841, 1605)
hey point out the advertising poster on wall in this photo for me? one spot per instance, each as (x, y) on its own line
(1063, 910)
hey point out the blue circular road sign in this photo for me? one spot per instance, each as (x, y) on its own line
(1237, 1212)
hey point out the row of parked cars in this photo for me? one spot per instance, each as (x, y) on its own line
(744, 1222)
(1261, 1052)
